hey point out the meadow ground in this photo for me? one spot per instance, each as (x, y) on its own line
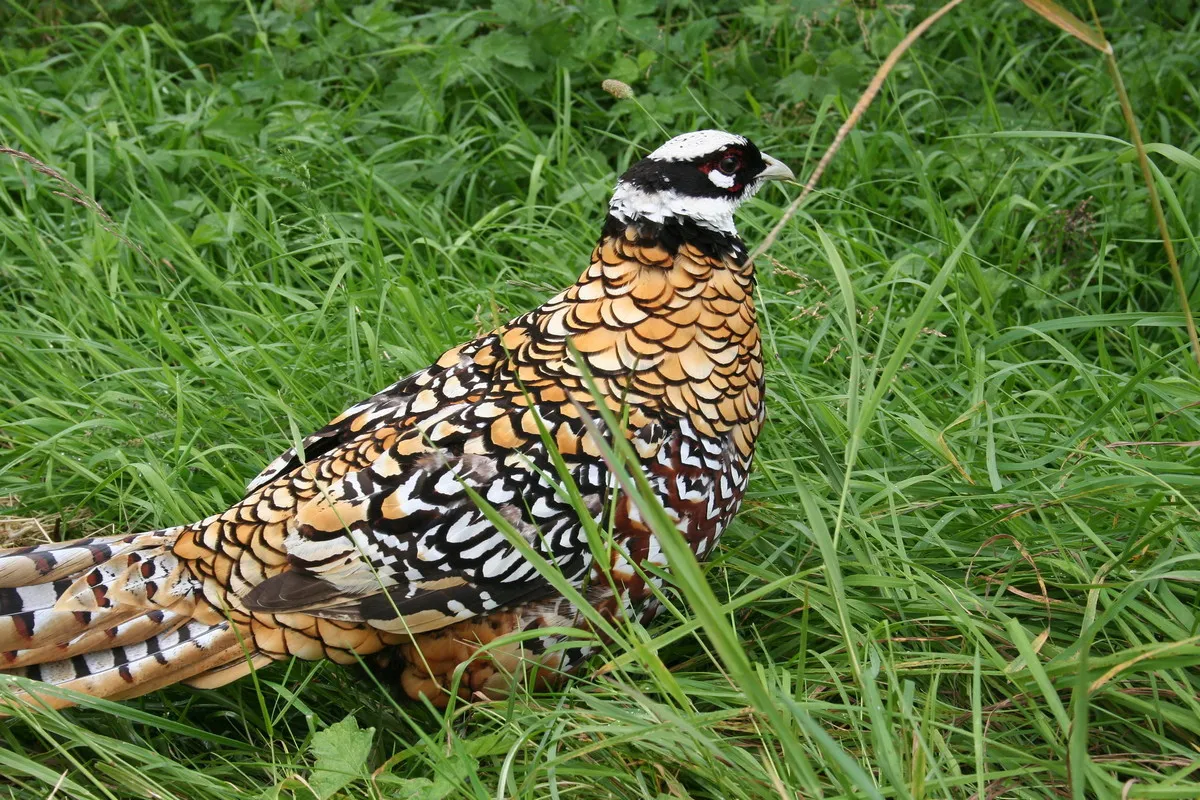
(968, 560)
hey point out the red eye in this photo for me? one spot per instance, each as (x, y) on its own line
(729, 164)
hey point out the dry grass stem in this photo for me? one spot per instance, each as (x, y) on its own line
(76, 195)
(860, 108)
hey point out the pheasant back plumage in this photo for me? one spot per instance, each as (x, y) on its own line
(369, 537)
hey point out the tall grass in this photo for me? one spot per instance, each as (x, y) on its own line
(967, 562)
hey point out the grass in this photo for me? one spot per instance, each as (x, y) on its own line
(967, 562)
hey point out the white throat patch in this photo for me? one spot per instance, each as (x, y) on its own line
(629, 201)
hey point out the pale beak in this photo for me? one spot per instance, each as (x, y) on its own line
(776, 170)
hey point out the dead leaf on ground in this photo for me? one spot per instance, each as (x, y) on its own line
(22, 531)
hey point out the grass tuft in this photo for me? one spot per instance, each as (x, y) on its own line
(967, 563)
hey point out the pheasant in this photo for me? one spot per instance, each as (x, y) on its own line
(371, 538)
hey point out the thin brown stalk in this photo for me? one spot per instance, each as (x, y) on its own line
(1094, 37)
(1114, 445)
(1155, 204)
(856, 113)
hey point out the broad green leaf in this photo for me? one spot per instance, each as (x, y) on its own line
(340, 752)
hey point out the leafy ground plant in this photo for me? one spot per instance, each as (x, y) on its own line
(967, 563)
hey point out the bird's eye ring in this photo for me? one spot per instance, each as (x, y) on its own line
(729, 164)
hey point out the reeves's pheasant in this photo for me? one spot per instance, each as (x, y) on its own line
(366, 540)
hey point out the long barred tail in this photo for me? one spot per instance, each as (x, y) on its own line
(112, 617)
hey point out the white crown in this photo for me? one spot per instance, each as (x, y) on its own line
(687, 146)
